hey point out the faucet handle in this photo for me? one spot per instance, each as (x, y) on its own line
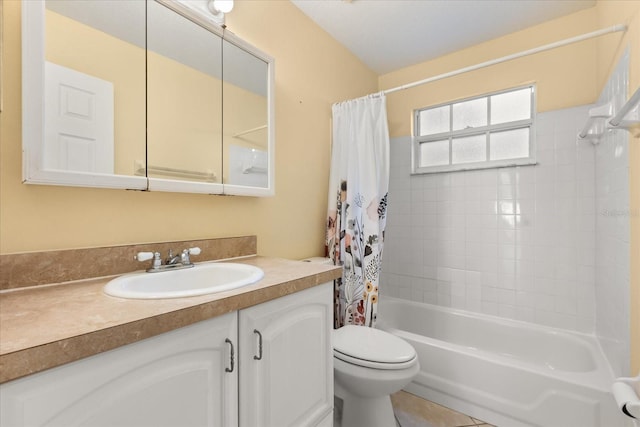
(143, 256)
(186, 260)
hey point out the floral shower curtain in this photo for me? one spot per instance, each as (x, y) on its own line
(358, 187)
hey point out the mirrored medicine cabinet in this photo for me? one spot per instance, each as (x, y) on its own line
(147, 95)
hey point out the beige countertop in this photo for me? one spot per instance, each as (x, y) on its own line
(47, 326)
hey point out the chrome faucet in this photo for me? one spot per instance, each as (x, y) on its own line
(172, 262)
(184, 256)
(171, 259)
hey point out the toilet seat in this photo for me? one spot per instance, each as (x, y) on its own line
(372, 348)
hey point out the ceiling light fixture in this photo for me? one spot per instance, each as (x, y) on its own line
(218, 8)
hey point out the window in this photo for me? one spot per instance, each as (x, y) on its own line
(493, 130)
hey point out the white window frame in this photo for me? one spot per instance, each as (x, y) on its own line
(417, 140)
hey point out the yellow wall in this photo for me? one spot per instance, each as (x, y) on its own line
(312, 72)
(627, 12)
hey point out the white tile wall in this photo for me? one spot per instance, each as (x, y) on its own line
(547, 244)
(612, 231)
(513, 242)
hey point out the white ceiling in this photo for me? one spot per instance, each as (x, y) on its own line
(391, 34)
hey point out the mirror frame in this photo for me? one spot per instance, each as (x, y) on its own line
(33, 60)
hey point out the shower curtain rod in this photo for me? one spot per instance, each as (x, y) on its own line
(598, 33)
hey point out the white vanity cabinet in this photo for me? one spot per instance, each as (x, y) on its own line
(174, 379)
(189, 377)
(286, 360)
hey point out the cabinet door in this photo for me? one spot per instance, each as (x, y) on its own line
(289, 382)
(175, 379)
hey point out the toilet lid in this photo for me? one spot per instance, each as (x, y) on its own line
(372, 345)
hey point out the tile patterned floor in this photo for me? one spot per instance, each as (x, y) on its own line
(413, 411)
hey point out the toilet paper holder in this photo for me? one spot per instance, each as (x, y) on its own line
(624, 391)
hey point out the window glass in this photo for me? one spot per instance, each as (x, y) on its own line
(434, 120)
(469, 149)
(470, 114)
(492, 130)
(511, 144)
(435, 153)
(511, 106)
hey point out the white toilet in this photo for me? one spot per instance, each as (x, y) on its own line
(369, 365)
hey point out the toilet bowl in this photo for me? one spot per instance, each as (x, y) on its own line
(369, 365)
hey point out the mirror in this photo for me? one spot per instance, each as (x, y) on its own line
(184, 103)
(89, 75)
(248, 154)
(132, 94)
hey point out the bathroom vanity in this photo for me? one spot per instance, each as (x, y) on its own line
(260, 355)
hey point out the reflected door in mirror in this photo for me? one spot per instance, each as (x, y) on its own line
(94, 94)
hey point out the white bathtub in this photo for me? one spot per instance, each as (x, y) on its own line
(505, 372)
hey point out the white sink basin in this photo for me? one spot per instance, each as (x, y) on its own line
(199, 280)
